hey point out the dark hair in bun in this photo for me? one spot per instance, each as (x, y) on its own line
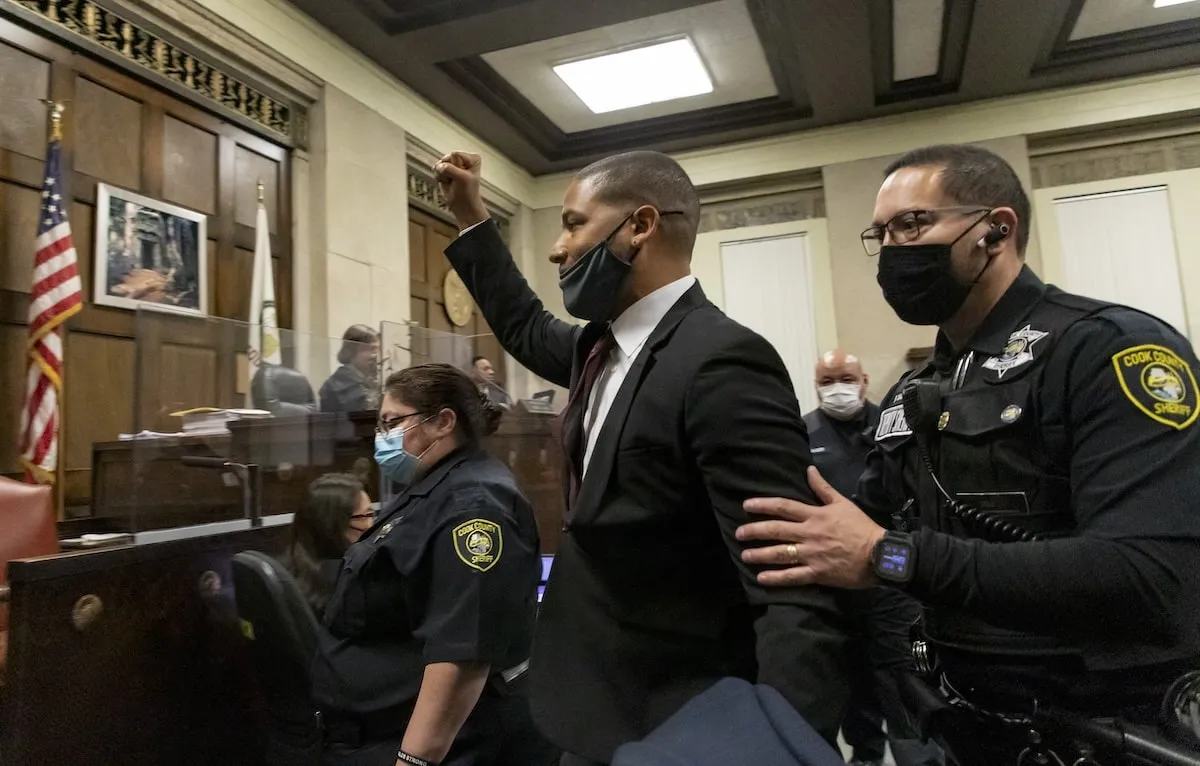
(434, 387)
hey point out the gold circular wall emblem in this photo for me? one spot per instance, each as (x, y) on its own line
(459, 305)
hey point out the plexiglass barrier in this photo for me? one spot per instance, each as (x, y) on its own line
(526, 440)
(233, 424)
(230, 426)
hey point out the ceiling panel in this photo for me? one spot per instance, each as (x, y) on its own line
(1110, 17)
(722, 32)
(778, 66)
(916, 38)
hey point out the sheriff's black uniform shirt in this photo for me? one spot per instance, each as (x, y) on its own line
(448, 573)
(840, 447)
(1089, 435)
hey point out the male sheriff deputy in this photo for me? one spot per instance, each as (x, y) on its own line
(1036, 484)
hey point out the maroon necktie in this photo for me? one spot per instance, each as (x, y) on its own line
(574, 444)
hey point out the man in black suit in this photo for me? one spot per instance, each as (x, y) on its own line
(677, 415)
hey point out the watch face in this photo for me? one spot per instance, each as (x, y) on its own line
(894, 560)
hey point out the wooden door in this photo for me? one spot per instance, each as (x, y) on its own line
(428, 239)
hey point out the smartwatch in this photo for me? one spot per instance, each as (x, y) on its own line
(893, 558)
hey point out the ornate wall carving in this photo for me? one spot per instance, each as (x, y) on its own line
(163, 58)
(423, 191)
(1134, 158)
(797, 205)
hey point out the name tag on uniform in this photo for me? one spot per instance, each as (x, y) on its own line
(892, 424)
(818, 450)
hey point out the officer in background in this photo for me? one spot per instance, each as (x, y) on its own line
(841, 431)
(484, 375)
(1041, 478)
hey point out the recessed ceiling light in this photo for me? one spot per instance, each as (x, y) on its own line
(636, 77)
(1165, 3)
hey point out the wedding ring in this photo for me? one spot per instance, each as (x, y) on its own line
(793, 553)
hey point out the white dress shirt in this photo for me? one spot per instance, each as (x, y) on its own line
(631, 330)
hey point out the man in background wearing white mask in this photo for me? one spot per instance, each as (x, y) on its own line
(841, 433)
(841, 429)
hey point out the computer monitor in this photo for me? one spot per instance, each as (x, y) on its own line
(547, 562)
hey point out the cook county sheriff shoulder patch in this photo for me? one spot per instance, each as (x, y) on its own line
(478, 543)
(1159, 383)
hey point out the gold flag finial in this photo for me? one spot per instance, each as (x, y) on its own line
(262, 192)
(56, 114)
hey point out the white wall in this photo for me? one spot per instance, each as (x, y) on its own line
(768, 286)
(707, 267)
(1184, 189)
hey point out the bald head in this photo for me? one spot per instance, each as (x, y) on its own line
(841, 384)
(837, 366)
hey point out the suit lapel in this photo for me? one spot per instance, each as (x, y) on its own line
(600, 468)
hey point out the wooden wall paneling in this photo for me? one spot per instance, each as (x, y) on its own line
(416, 249)
(98, 400)
(109, 146)
(238, 270)
(222, 304)
(282, 246)
(189, 165)
(122, 131)
(83, 234)
(231, 339)
(12, 378)
(251, 168)
(20, 206)
(24, 78)
(153, 150)
(428, 238)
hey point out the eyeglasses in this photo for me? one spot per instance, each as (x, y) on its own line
(391, 424)
(910, 225)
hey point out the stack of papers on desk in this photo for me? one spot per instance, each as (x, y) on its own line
(211, 420)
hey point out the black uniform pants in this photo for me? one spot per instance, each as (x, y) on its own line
(882, 620)
(499, 732)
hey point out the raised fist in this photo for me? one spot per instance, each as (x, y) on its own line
(457, 175)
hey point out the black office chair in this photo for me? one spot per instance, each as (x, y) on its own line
(283, 639)
(282, 391)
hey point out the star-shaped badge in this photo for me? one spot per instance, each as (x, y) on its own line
(1018, 351)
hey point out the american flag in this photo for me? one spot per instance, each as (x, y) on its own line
(57, 295)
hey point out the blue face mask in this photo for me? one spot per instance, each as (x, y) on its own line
(395, 463)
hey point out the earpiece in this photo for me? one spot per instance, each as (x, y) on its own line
(994, 235)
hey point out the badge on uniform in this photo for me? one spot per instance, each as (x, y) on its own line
(478, 543)
(1017, 352)
(1159, 382)
(892, 423)
(384, 531)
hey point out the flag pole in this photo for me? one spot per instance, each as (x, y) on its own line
(60, 472)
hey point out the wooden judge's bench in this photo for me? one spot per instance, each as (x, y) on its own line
(132, 653)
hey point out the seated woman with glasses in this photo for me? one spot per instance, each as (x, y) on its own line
(335, 512)
(426, 638)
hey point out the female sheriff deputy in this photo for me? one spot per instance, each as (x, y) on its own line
(427, 634)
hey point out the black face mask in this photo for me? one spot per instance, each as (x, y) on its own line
(591, 285)
(918, 281)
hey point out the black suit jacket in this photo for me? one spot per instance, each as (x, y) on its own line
(648, 602)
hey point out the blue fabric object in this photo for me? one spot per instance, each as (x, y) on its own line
(732, 724)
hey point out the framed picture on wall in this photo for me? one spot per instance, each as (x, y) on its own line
(149, 253)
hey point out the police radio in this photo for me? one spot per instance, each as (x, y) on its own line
(922, 401)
